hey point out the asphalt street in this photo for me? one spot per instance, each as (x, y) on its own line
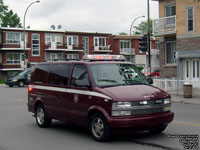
(18, 129)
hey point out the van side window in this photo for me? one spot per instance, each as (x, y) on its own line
(59, 74)
(79, 73)
(41, 73)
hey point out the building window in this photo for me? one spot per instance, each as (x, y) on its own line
(170, 10)
(12, 58)
(35, 44)
(57, 38)
(170, 50)
(72, 56)
(72, 40)
(86, 45)
(157, 45)
(124, 47)
(190, 19)
(53, 56)
(14, 37)
(99, 41)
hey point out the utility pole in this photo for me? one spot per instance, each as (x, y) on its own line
(148, 37)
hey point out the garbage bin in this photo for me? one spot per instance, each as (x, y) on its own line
(187, 90)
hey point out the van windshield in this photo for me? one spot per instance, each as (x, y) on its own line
(22, 73)
(105, 75)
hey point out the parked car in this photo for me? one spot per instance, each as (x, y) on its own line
(156, 73)
(20, 79)
(102, 92)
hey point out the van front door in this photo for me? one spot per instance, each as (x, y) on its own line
(79, 99)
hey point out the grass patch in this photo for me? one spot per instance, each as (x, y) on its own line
(2, 82)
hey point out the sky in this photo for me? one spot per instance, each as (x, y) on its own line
(109, 16)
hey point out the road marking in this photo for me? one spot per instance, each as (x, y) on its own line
(186, 123)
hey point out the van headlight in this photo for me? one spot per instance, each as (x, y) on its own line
(15, 80)
(121, 109)
(167, 101)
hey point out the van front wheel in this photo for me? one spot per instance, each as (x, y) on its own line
(99, 128)
(21, 84)
(41, 118)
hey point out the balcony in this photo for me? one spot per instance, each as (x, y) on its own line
(164, 26)
(102, 49)
(127, 51)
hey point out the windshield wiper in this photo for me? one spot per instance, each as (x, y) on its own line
(107, 80)
(134, 82)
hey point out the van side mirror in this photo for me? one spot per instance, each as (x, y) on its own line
(149, 79)
(82, 83)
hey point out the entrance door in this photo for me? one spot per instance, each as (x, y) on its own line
(192, 70)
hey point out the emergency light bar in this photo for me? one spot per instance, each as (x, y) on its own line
(104, 57)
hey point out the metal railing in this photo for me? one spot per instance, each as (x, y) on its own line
(126, 51)
(172, 85)
(166, 25)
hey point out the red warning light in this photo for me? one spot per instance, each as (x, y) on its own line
(100, 57)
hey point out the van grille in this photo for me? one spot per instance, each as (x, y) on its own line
(154, 106)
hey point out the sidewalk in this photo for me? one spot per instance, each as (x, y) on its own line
(181, 99)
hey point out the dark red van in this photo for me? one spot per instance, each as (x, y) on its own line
(104, 93)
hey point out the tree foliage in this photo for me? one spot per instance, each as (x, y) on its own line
(123, 33)
(142, 28)
(8, 17)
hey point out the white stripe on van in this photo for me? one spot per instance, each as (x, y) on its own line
(83, 92)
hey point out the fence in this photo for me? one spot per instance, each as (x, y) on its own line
(174, 86)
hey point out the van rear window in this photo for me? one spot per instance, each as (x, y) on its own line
(40, 74)
(59, 74)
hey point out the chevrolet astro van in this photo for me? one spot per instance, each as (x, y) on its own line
(102, 92)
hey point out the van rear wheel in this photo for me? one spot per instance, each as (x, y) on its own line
(42, 120)
(99, 128)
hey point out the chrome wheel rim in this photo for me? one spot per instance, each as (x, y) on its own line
(40, 116)
(97, 127)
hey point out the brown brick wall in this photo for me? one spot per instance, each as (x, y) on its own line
(183, 44)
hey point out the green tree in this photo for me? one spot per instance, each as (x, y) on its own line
(123, 33)
(3, 8)
(142, 28)
(7, 17)
(10, 19)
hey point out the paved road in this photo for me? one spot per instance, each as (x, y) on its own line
(18, 130)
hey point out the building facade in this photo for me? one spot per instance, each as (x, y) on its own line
(178, 29)
(121, 45)
(44, 45)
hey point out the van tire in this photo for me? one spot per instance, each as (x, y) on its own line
(21, 84)
(41, 118)
(99, 128)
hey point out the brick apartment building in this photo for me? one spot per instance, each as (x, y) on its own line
(178, 31)
(59, 44)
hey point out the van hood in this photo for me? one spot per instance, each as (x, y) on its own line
(134, 92)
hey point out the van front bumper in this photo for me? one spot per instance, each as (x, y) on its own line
(12, 83)
(147, 122)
